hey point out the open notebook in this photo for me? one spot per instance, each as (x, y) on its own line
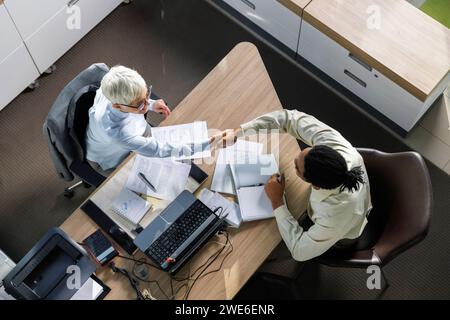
(249, 180)
(242, 151)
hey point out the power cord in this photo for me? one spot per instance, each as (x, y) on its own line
(141, 261)
(149, 281)
(134, 284)
(144, 261)
(202, 275)
(208, 263)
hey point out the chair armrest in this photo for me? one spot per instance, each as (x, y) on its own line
(348, 259)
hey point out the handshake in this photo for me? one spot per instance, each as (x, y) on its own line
(276, 184)
(227, 137)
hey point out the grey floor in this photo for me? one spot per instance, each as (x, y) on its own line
(174, 44)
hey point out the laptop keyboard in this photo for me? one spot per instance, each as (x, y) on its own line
(185, 226)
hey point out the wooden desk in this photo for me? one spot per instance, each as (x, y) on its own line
(237, 90)
(296, 6)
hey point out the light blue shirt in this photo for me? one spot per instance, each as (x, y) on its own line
(113, 134)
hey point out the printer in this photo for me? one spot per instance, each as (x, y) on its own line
(52, 270)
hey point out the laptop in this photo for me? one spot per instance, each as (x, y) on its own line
(178, 232)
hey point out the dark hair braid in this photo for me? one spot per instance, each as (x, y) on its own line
(326, 168)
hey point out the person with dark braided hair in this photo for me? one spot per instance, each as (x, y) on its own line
(340, 196)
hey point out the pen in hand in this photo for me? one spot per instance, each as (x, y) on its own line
(145, 180)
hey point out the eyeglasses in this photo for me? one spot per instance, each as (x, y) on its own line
(142, 105)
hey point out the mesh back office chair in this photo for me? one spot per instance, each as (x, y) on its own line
(65, 128)
(402, 203)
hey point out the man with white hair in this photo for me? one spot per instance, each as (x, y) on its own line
(117, 124)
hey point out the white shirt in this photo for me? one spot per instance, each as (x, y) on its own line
(336, 215)
(113, 134)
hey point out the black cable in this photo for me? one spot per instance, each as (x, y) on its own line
(223, 260)
(150, 281)
(189, 277)
(218, 253)
(206, 267)
(134, 284)
(213, 256)
(140, 261)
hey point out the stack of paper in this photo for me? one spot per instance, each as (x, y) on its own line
(167, 176)
(191, 133)
(241, 152)
(230, 209)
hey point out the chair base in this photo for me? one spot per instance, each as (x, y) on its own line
(70, 191)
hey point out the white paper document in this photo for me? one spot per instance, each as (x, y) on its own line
(249, 180)
(241, 152)
(130, 206)
(254, 204)
(253, 174)
(90, 290)
(167, 176)
(196, 132)
(213, 200)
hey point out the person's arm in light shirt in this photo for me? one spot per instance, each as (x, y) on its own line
(321, 236)
(302, 126)
(150, 147)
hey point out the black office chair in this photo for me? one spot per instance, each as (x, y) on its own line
(65, 128)
(402, 199)
(402, 203)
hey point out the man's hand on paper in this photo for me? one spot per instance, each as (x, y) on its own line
(274, 189)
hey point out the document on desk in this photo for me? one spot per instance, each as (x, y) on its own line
(249, 180)
(214, 200)
(167, 176)
(90, 290)
(241, 152)
(190, 133)
(254, 204)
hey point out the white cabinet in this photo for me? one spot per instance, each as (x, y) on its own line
(272, 17)
(30, 15)
(36, 33)
(361, 79)
(51, 27)
(17, 69)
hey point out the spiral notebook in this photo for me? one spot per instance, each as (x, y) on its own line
(130, 206)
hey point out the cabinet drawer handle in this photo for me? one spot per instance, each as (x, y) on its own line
(358, 80)
(358, 60)
(249, 3)
(72, 2)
